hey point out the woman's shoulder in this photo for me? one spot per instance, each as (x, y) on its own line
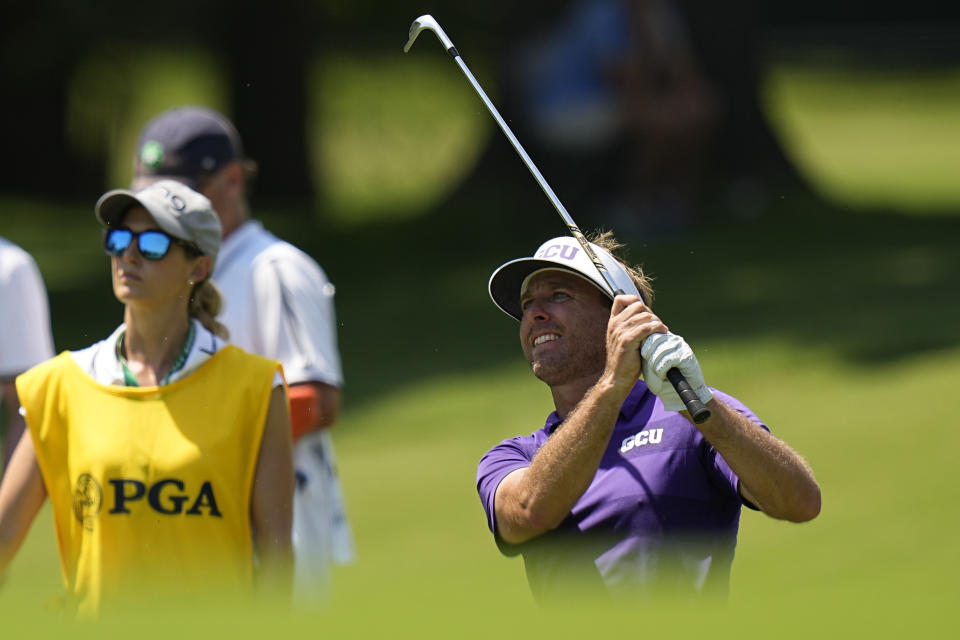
(43, 375)
(240, 363)
(99, 360)
(240, 354)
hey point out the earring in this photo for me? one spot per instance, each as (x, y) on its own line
(191, 282)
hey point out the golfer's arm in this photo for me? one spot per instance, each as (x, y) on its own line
(772, 475)
(21, 495)
(272, 506)
(533, 500)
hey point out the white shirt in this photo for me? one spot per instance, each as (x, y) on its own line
(100, 361)
(278, 303)
(25, 336)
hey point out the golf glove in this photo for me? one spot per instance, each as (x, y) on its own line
(662, 352)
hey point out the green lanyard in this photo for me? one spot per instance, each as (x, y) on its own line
(131, 380)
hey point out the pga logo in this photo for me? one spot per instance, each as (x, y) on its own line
(641, 438)
(169, 496)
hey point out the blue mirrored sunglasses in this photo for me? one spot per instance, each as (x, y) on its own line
(152, 244)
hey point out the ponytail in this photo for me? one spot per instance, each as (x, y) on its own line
(206, 302)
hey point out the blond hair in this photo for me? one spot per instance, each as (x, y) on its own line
(206, 302)
(643, 281)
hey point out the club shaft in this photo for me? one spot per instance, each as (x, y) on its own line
(554, 200)
(698, 411)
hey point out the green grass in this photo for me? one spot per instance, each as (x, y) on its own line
(837, 327)
(882, 551)
(885, 522)
(869, 137)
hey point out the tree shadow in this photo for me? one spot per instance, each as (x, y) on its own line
(871, 287)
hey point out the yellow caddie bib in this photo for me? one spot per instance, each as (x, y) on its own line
(150, 486)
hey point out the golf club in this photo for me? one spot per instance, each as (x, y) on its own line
(698, 411)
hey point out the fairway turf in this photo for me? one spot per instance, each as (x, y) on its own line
(871, 137)
(879, 560)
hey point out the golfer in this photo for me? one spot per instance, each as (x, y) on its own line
(165, 452)
(620, 491)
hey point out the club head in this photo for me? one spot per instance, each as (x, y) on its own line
(426, 21)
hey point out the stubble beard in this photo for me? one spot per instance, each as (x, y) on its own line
(583, 359)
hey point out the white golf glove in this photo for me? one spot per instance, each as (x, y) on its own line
(662, 352)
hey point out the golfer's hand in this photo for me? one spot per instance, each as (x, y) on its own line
(662, 352)
(630, 324)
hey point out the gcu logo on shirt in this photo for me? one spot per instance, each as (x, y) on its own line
(555, 250)
(641, 438)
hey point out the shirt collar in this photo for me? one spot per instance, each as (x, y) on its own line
(638, 397)
(109, 371)
(235, 241)
(635, 400)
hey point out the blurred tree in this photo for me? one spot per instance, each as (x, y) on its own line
(734, 160)
(39, 43)
(728, 38)
(267, 47)
(744, 164)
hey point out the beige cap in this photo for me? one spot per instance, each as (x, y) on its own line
(177, 209)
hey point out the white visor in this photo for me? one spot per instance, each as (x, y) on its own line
(563, 253)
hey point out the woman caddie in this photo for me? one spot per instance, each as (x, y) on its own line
(165, 452)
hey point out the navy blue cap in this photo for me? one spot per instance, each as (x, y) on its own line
(187, 144)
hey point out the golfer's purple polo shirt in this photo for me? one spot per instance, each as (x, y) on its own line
(663, 508)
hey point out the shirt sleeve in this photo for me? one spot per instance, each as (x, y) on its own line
(495, 465)
(720, 472)
(25, 336)
(297, 321)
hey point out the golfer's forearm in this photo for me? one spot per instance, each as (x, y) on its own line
(772, 475)
(566, 465)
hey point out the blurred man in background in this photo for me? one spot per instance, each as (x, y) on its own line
(617, 85)
(25, 336)
(279, 304)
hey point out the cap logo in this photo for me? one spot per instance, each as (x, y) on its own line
(176, 202)
(152, 154)
(565, 252)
